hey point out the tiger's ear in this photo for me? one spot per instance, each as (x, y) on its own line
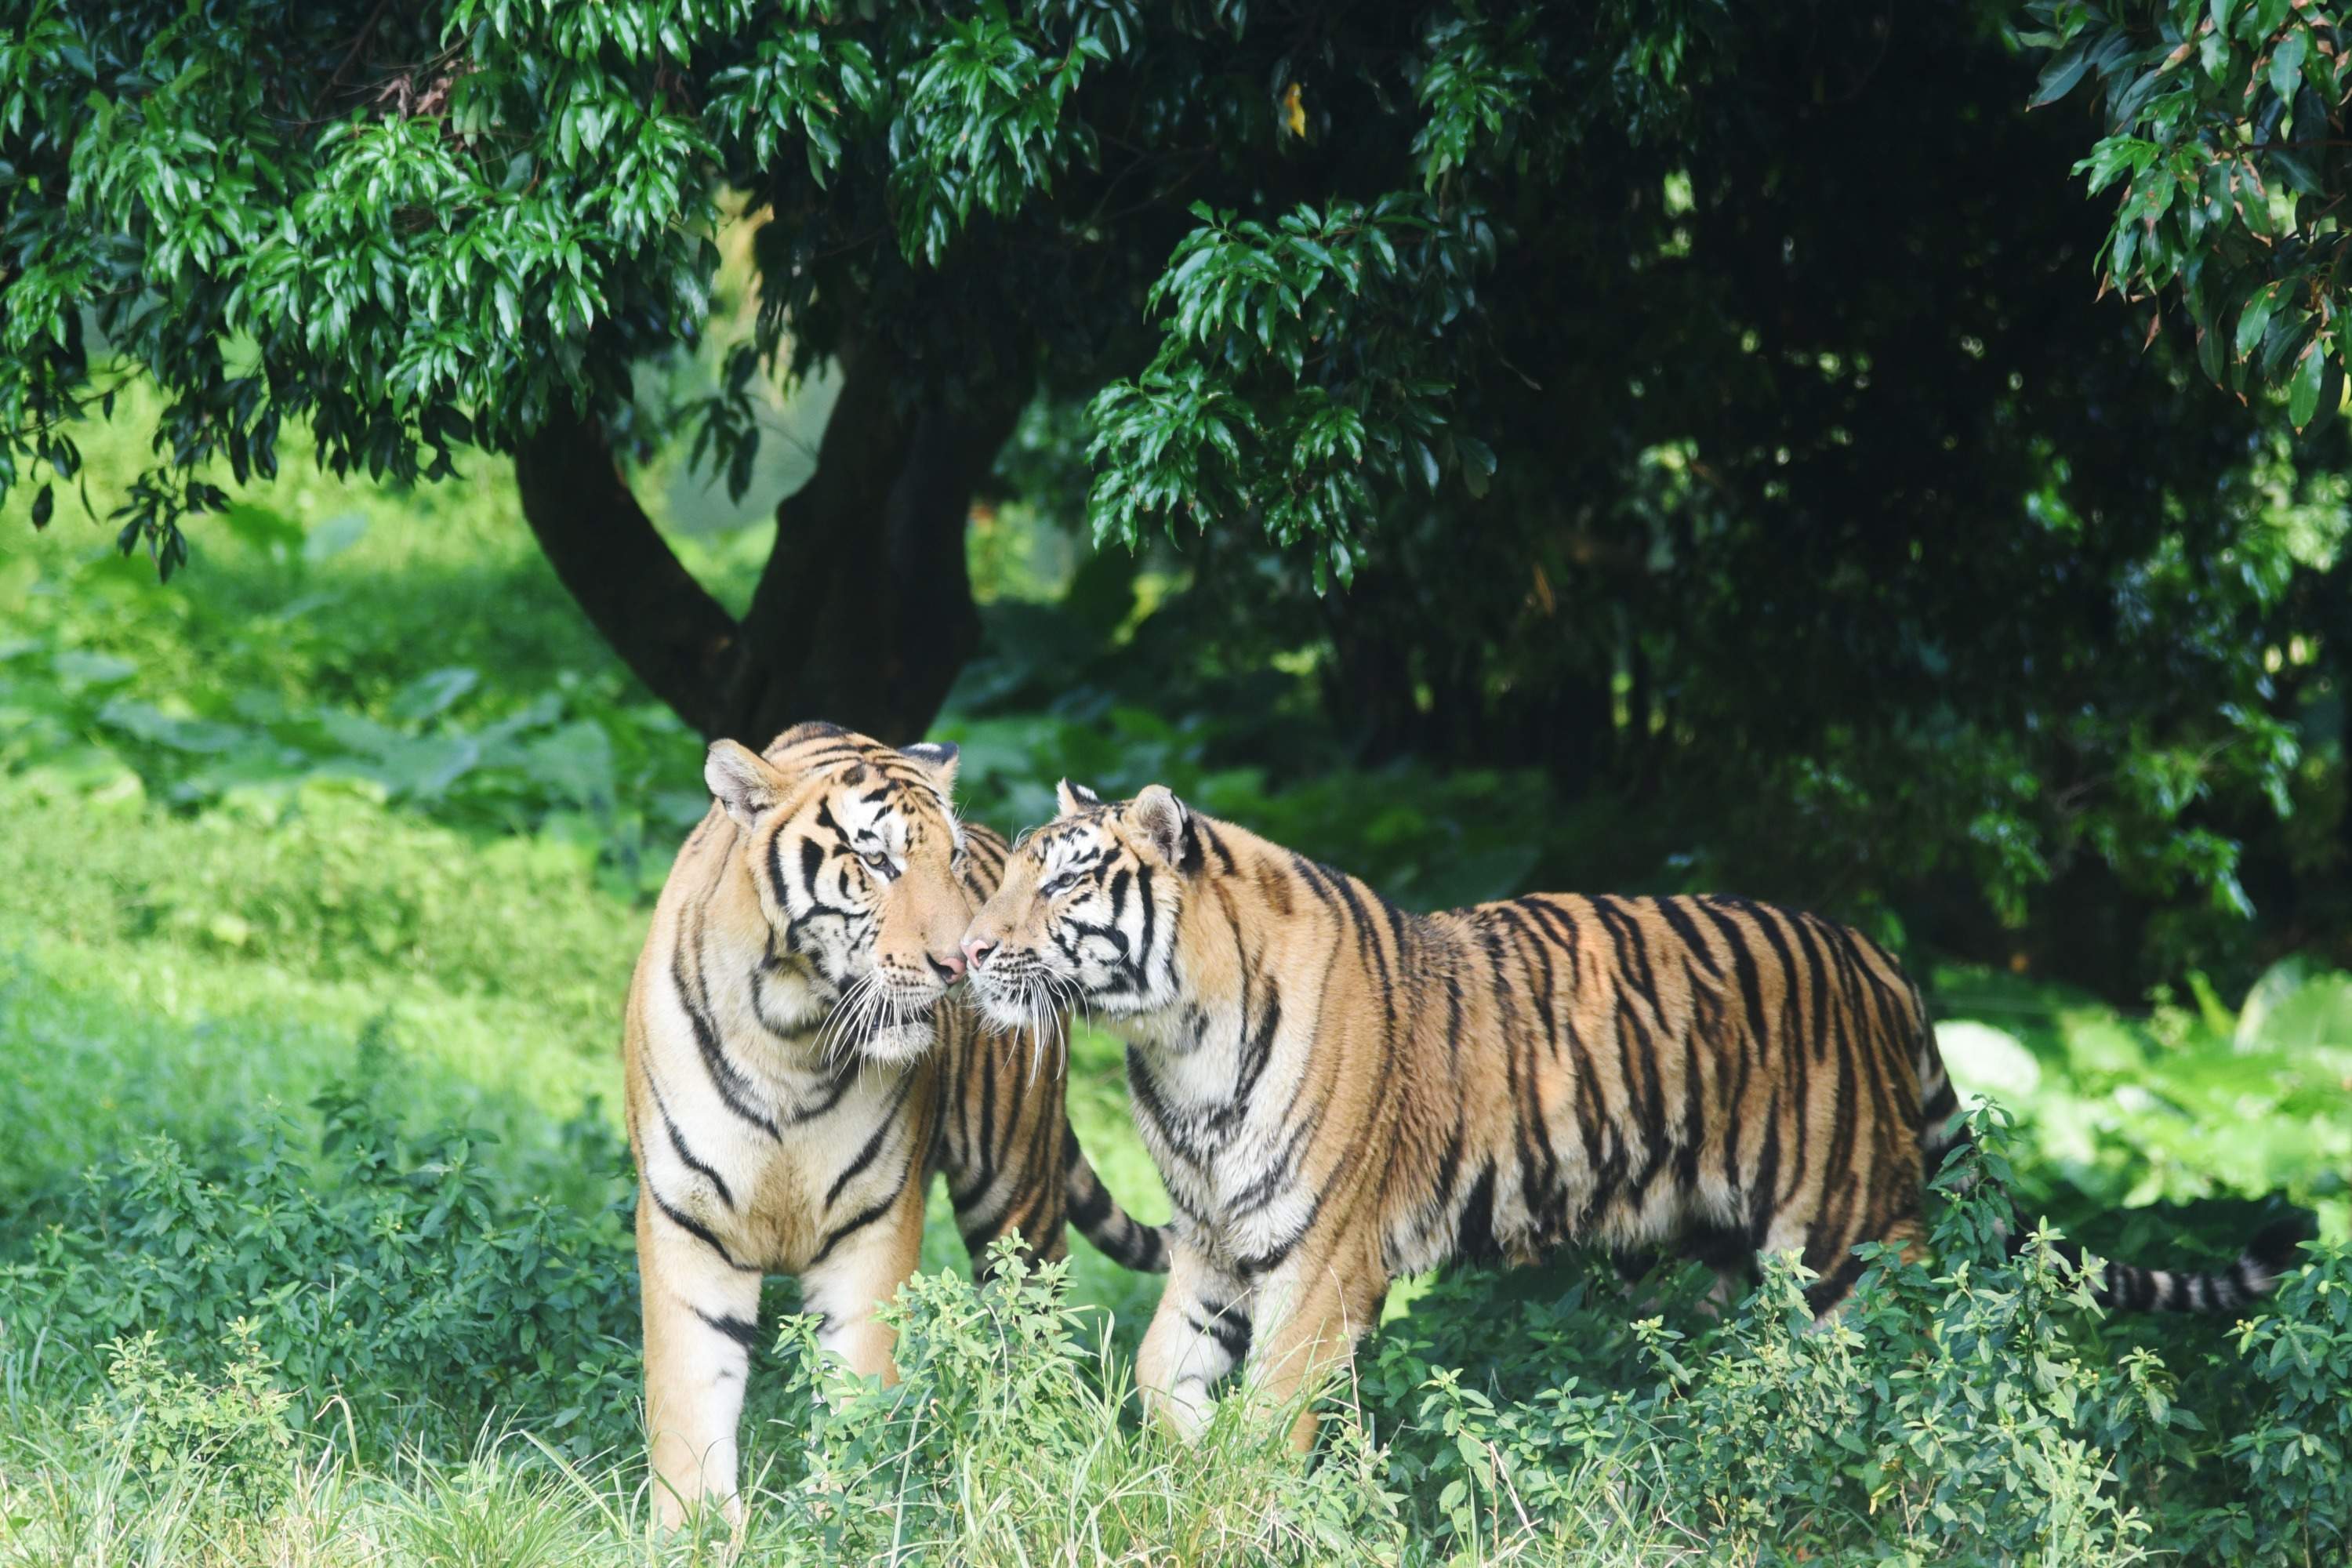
(741, 781)
(1074, 798)
(937, 759)
(1165, 824)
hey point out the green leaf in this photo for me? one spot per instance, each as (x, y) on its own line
(2331, 391)
(2303, 391)
(2286, 64)
(432, 693)
(2065, 69)
(2257, 316)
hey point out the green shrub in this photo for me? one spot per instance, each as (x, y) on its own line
(2296, 1455)
(1008, 1437)
(428, 1288)
(234, 1434)
(1968, 1410)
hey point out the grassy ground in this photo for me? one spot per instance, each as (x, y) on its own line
(345, 842)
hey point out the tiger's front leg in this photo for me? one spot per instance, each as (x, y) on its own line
(1202, 1329)
(701, 1315)
(855, 1273)
(1311, 1313)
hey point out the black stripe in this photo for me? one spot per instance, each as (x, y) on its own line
(1088, 1211)
(678, 1143)
(1474, 1231)
(1313, 876)
(697, 1229)
(1232, 1334)
(856, 1223)
(1831, 1287)
(1217, 844)
(1256, 1052)
(873, 1143)
(1150, 917)
(843, 1075)
(1676, 912)
(742, 1331)
(732, 1086)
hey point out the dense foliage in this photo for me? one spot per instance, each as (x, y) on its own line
(1972, 1411)
(1706, 408)
(2225, 138)
(375, 1262)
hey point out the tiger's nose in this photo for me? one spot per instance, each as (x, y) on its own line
(976, 949)
(949, 969)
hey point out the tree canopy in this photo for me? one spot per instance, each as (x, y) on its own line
(1710, 406)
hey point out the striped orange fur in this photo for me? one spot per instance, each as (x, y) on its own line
(797, 1066)
(1338, 1091)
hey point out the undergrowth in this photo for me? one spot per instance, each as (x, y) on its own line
(379, 1312)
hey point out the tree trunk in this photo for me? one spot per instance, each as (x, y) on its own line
(680, 640)
(863, 614)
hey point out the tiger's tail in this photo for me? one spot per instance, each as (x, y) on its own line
(1121, 1237)
(2126, 1287)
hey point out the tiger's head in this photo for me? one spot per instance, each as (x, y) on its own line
(856, 854)
(1087, 910)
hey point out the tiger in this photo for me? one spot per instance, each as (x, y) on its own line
(796, 1066)
(1338, 1092)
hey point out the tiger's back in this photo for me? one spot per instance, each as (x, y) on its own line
(1488, 1083)
(1725, 1076)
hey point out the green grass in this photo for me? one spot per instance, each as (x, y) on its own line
(345, 842)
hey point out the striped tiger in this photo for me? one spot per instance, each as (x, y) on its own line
(786, 1102)
(1338, 1092)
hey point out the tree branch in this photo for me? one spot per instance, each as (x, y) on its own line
(867, 592)
(680, 640)
(863, 614)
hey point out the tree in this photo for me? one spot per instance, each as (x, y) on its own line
(1708, 405)
(421, 227)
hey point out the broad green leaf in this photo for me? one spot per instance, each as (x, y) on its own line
(2065, 69)
(2256, 316)
(2286, 65)
(432, 693)
(2302, 388)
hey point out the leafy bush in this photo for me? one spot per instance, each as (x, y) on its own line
(2140, 1128)
(999, 1437)
(165, 1422)
(69, 721)
(406, 1272)
(2297, 1453)
(1969, 1410)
